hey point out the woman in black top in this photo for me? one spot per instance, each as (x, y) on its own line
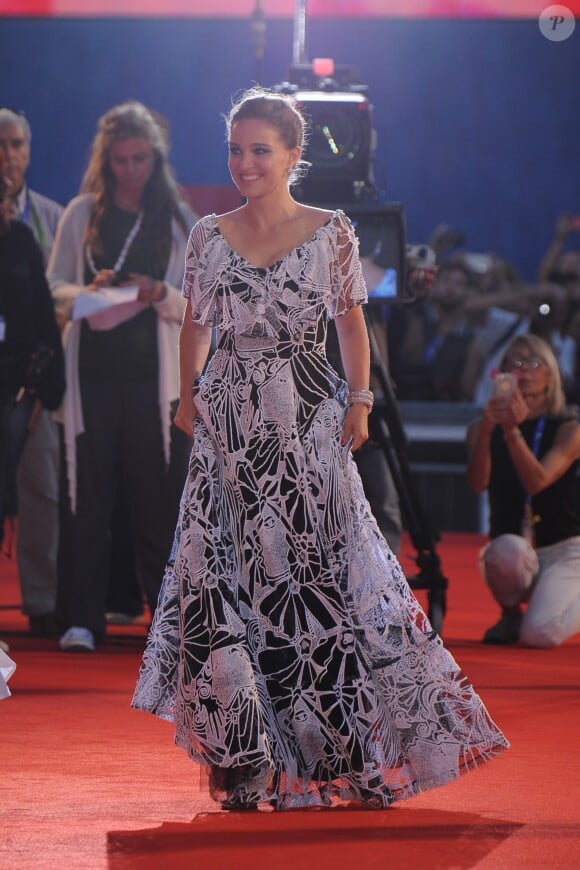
(123, 238)
(524, 450)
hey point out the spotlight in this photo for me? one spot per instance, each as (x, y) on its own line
(341, 138)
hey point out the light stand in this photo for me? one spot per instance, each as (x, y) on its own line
(258, 25)
(299, 46)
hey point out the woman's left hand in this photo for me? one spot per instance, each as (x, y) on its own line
(356, 426)
(149, 290)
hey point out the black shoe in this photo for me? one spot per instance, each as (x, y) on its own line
(506, 631)
(43, 626)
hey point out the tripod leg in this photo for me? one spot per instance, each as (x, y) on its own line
(437, 608)
(387, 429)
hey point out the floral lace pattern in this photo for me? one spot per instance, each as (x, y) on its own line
(287, 646)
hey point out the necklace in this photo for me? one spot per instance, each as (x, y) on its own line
(124, 250)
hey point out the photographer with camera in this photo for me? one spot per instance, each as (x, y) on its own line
(434, 352)
(524, 451)
(31, 359)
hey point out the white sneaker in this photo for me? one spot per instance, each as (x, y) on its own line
(77, 639)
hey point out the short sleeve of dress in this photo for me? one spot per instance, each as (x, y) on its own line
(196, 284)
(348, 285)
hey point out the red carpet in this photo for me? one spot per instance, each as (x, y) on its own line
(86, 782)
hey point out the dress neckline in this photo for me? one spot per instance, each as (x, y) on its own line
(280, 260)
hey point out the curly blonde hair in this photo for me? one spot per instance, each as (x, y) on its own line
(161, 198)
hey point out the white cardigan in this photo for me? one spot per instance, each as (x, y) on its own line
(66, 278)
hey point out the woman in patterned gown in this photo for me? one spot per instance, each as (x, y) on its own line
(287, 647)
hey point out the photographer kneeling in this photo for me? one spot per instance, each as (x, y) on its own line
(524, 450)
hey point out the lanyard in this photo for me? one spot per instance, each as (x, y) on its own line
(529, 519)
(535, 446)
(124, 250)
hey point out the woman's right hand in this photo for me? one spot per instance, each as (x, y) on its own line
(185, 415)
(103, 278)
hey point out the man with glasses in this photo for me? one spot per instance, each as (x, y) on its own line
(38, 470)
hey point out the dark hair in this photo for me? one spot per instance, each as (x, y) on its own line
(279, 110)
(132, 120)
(453, 265)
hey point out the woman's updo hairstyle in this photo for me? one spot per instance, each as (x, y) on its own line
(279, 110)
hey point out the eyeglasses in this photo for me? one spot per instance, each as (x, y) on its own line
(531, 362)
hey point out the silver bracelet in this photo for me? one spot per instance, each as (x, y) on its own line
(364, 396)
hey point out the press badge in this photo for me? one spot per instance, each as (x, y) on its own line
(2, 329)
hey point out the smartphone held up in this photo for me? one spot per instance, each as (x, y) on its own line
(504, 383)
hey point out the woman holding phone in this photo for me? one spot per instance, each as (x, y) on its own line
(524, 451)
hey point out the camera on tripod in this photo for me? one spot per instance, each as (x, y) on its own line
(342, 139)
(420, 256)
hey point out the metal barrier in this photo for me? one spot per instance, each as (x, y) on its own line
(438, 461)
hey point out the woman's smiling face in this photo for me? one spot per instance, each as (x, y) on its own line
(259, 160)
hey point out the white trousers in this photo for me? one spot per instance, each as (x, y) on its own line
(547, 579)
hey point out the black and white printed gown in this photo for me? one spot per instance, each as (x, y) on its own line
(287, 646)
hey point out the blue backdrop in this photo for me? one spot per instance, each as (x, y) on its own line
(478, 121)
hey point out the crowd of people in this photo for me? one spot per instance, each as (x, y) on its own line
(448, 344)
(117, 318)
(479, 330)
